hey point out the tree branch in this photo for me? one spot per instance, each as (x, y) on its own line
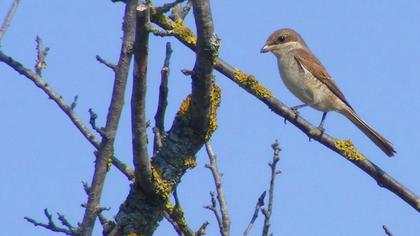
(260, 203)
(274, 172)
(105, 152)
(252, 86)
(141, 161)
(68, 110)
(217, 177)
(69, 230)
(159, 129)
(194, 123)
(8, 20)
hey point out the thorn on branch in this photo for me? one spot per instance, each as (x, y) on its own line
(86, 187)
(41, 55)
(74, 103)
(387, 232)
(187, 72)
(113, 67)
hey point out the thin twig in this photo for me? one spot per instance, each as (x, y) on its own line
(108, 64)
(213, 208)
(179, 13)
(202, 230)
(249, 85)
(163, 100)
(217, 177)
(168, 6)
(387, 232)
(274, 172)
(105, 152)
(74, 103)
(260, 203)
(47, 89)
(8, 20)
(174, 224)
(69, 230)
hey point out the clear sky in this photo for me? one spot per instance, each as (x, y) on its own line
(371, 48)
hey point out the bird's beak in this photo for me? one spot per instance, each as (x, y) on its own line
(266, 48)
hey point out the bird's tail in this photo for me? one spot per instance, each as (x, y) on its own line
(380, 141)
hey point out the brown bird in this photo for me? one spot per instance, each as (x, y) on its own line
(305, 76)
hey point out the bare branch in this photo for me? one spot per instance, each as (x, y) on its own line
(168, 6)
(179, 13)
(217, 177)
(141, 161)
(47, 89)
(202, 230)
(177, 228)
(159, 129)
(274, 172)
(252, 86)
(8, 20)
(213, 208)
(387, 232)
(258, 206)
(113, 67)
(69, 230)
(41, 55)
(180, 145)
(163, 90)
(105, 152)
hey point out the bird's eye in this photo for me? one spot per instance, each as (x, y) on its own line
(281, 39)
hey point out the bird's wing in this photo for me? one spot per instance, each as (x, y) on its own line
(310, 63)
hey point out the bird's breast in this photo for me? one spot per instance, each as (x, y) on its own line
(294, 78)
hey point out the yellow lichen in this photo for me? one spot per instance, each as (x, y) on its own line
(190, 162)
(249, 82)
(215, 98)
(177, 27)
(185, 107)
(347, 148)
(176, 213)
(183, 32)
(162, 186)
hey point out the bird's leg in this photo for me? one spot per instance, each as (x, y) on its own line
(321, 125)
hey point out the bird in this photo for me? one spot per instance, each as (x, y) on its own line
(305, 76)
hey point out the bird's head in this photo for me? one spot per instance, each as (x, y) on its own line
(282, 41)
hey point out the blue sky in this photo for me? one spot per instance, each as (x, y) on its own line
(371, 48)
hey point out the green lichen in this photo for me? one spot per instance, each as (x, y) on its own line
(347, 148)
(249, 82)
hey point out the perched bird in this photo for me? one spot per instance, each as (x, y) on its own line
(305, 76)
